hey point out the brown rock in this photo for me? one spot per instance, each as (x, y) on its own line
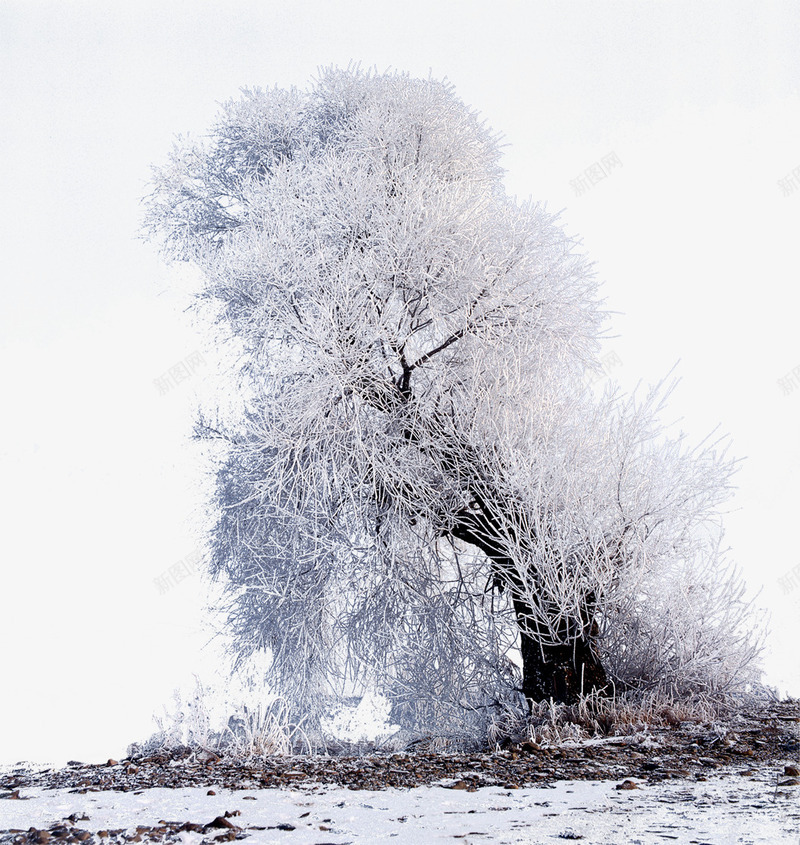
(792, 771)
(220, 821)
(790, 782)
(112, 762)
(627, 784)
(211, 792)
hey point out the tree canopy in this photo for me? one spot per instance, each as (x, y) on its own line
(420, 491)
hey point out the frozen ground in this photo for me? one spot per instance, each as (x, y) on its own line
(726, 808)
(692, 783)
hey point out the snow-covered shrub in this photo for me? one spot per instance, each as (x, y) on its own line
(684, 629)
(236, 717)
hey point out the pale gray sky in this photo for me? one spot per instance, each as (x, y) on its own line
(693, 236)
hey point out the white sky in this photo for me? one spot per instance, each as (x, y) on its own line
(695, 242)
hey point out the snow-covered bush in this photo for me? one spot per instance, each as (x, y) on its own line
(236, 717)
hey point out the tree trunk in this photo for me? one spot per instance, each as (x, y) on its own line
(561, 673)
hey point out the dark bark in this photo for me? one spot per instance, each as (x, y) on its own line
(559, 672)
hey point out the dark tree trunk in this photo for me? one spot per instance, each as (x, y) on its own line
(558, 672)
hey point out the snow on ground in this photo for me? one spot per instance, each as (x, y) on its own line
(727, 808)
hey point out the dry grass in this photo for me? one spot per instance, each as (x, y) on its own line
(596, 716)
(263, 727)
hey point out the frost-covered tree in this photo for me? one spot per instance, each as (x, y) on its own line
(420, 491)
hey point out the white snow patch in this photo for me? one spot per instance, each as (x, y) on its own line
(367, 721)
(727, 808)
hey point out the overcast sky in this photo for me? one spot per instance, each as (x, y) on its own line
(694, 232)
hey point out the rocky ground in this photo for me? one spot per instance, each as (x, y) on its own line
(761, 745)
